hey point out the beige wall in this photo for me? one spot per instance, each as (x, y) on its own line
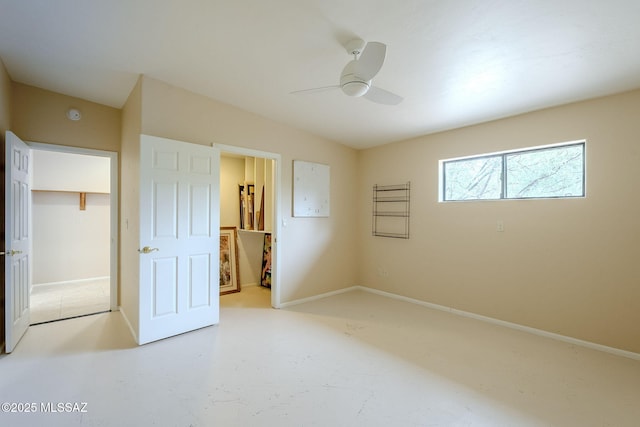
(231, 175)
(5, 100)
(130, 207)
(40, 116)
(564, 266)
(317, 255)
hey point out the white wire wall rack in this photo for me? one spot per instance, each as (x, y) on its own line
(391, 210)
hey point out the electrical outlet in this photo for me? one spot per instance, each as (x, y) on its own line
(500, 226)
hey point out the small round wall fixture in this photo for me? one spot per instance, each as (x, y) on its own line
(74, 114)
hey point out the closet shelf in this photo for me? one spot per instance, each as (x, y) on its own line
(83, 195)
(34, 190)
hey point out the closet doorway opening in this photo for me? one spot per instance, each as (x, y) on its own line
(74, 218)
(249, 187)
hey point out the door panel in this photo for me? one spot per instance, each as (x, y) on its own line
(179, 222)
(199, 280)
(18, 239)
(199, 211)
(165, 210)
(165, 286)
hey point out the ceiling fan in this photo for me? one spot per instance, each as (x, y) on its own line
(355, 79)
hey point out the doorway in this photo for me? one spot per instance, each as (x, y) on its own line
(254, 171)
(74, 211)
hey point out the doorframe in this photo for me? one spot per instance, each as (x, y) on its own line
(113, 202)
(277, 220)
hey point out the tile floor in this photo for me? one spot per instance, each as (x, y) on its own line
(354, 359)
(63, 300)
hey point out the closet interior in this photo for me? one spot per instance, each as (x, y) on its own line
(246, 203)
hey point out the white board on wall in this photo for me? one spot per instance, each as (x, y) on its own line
(311, 183)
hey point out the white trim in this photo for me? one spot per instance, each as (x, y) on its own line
(539, 332)
(113, 202)
(64, 282)
(517, 150)
(441, 163)
(277, 218)
(321, 296)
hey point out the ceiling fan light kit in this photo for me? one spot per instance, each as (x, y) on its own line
(354, 88)
(356, 76)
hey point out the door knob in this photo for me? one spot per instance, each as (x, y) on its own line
(11, 253)
(147, 250)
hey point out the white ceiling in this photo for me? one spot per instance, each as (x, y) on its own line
(456, 62)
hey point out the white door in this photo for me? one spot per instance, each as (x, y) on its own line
(179, 237)
(17, 253)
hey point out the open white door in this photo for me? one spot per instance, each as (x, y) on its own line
(179, 237)
(17, 239)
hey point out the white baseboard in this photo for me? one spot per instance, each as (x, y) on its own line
(317, 297)
(539, 332)
(91, 279)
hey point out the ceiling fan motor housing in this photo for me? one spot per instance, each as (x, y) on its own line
(351, 83)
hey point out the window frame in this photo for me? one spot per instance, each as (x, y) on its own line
(503, 156)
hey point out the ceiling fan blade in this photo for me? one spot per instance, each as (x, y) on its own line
(316, 89)
(370, 60)
(382, 96)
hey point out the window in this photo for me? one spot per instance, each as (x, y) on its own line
(544, 172)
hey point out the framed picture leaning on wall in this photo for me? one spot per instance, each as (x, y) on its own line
(229, 271)
(266, 261)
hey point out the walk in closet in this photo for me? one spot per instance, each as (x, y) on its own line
(246, 202)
